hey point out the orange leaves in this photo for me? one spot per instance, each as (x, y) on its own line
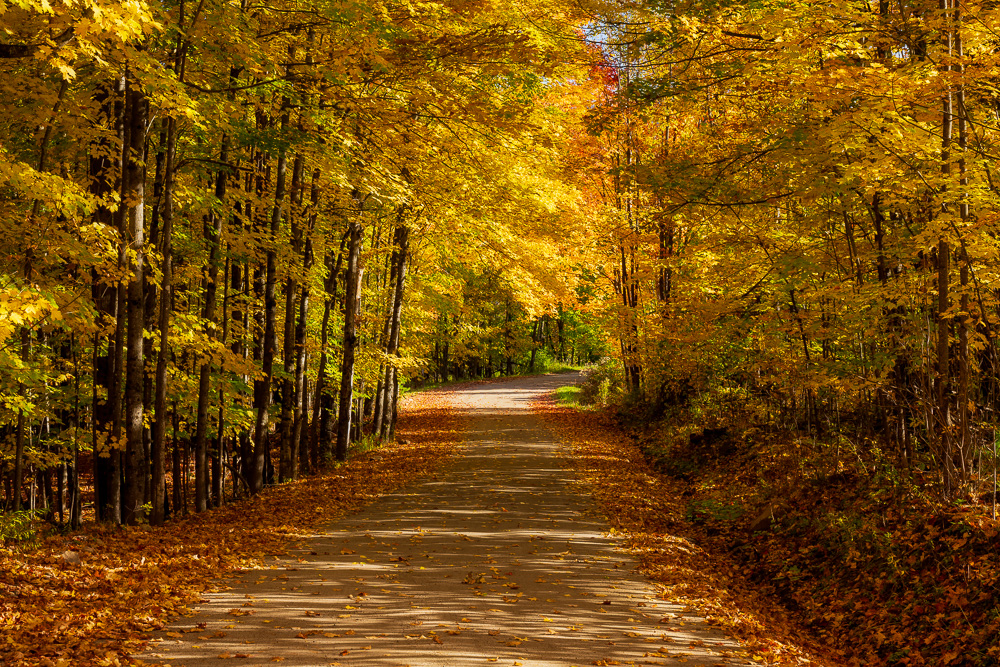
(130, 581)
(647, 510)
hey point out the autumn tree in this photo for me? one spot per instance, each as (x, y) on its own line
(213, 219)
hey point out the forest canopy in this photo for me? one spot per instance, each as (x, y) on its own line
(230, 231)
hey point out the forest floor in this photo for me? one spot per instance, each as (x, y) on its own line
(477, 538)
(790, 548)
(94, 597)
(499, 558)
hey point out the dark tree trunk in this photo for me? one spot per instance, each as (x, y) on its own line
(105, 171)
(136, 465)
(301, 358)
(261, 450)
(323, 405)
(158, 447)
(213, 234)
(354, 274)
(381, 392)
(176, 462)
(391, 379)
(287, 460)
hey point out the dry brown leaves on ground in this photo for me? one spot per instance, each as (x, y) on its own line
(129, 581)
(647, 510)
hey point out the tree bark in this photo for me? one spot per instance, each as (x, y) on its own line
(323, 404)
(213, 234)
(104, 170)
(262, 401)
(354, 274)
(135, 463)
(943, 250)
(301, 358)
(382, 389)
(287, 460)
(391, 380)
(158, 447)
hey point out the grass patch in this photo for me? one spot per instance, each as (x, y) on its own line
(569, 396)
(558, 367)
(550, 368)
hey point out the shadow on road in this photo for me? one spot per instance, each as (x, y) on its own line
(497, 560)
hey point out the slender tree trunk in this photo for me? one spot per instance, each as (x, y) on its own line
(76, 506)
(944, 323)
(664, 277)
(301, 358)
(382, 389)
(135, 463)
(394, 415)
(261, 448)
(218, 491)
(965, 358)
(391, 380)
(175, 470)
(158, 448)
(354, 275)
(943, 373)
(213, 233)
(104, 173)
(287, 460)
(323, 404)
(21, 427)
(445, 362)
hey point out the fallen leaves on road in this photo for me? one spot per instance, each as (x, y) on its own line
(646, 509)
(130, 581)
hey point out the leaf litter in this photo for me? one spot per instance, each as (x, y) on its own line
(646, 509)
(100, 607)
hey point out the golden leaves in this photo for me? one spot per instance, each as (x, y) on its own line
(646, 510)
(131, 581)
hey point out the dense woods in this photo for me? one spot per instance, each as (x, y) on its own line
(798, 205)
(230, 231)
(796, 213)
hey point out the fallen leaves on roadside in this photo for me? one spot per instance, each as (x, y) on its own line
(130, 581)
(645, 508)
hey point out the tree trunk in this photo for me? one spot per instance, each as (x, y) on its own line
(105, 176)
(323, 403)
(354, 274)
(301, 359)
(135, 461)
(391, 380)
(213, 234)
(382, 389)
(218, 493)
(76, 506)
(944, 323)
(943, 398)
(287, 460)
(261, 453)
(158, 448)
(176, 478)
(21, 426)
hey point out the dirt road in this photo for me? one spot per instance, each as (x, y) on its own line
(499, 559)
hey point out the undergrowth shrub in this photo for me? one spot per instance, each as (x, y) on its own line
(710, 509)
(18, 529)
(602, 383)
